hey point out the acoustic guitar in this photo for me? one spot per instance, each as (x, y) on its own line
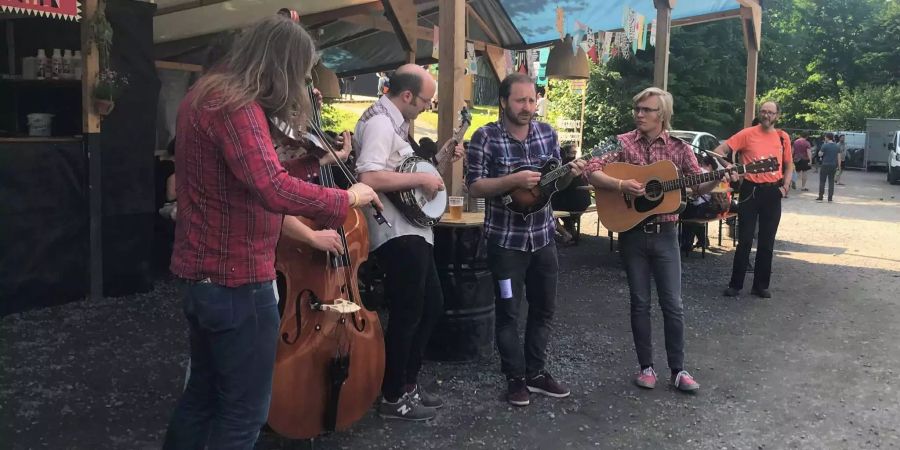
(529, 201)
(663, 190)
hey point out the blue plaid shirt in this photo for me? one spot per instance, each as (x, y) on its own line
(494, 153)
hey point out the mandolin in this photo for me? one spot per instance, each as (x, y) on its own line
(663, 190)
(529, 201)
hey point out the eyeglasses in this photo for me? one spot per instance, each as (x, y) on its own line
(642, 110)
(769, 113)
(426, 100)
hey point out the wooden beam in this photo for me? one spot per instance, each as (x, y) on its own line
(704, 18)
(497, 61)
(661, 52)
(752, 59)
(403, 19)
(172, 65)
(90, 63)
(481, 23)
(452, 24)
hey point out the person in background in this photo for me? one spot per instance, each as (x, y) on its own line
(542, 104)
(801, 150)
(382, 84)
(831, 163)
(843, 156)
(576, 197)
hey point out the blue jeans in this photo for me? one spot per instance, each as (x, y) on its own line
(655, 255)
(233, 335)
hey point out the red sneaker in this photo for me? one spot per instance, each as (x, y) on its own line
(646, 379)
(685, 382)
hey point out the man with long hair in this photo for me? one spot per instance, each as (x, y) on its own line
(521, 251)
(232, 194)
(651, 249)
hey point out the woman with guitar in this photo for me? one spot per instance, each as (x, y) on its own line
(651, 247)
(405, 251)
(506, 157)
(233, 192)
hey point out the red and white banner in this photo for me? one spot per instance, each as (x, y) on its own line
(57, 9)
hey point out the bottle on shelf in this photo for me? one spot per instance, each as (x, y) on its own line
(41, 63)
(56, 64)
(66, 72)
(76, 65)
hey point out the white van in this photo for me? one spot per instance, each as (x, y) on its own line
(893, 173)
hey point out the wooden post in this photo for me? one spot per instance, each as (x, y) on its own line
(663, 30)
(751, 20)
(91, 142)
(404, 19)
(452, 23)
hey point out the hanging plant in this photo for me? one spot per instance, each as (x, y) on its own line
(101, 34)
(107, 88)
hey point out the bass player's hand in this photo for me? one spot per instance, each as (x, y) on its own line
(526, 179)
(327, 241)
(632, 187)
(363, 196)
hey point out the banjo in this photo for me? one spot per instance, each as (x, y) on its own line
(413, 203)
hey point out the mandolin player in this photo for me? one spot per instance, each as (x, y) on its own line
(521, 250)
(652, 246)
(405, 251)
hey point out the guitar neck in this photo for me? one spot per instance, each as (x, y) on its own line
(562, 170)
(693, 180)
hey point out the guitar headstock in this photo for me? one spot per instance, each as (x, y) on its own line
(610, 145)
(465, 119)
(769, 164)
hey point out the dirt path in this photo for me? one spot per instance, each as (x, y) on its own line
(815, 367)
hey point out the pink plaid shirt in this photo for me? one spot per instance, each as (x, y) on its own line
(636, 150)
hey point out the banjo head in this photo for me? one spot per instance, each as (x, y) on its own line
(436, 207)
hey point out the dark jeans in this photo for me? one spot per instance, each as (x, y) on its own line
(413, 289)
(233, 334)
(827, 173)
(760, 203)
(656, 255)
(532, 276)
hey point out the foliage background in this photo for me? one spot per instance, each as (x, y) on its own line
(830, 64)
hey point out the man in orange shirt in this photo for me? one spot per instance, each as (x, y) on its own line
(760, 197)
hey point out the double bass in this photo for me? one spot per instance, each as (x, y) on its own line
(330, 357)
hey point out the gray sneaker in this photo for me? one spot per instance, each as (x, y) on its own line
(405, 409)
(428, 399)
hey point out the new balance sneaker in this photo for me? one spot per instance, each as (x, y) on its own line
(646, 379)
(419, 395)
(683, 381)
(405, 408)
(543, 383)
(517, 392)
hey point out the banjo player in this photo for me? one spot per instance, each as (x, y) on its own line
(405, 250)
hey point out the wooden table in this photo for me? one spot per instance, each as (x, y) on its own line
(477, 218)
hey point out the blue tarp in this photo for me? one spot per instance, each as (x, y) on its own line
(536, 19)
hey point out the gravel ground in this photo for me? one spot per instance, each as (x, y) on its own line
(814, 367)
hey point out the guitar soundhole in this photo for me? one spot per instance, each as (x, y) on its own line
(653, 189)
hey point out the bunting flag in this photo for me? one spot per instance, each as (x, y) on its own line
(471, 61)
(653, 33)
(607, 47)
(57, 9)
(561, 22)
(641, 33)
(628, 24)
(507, 56)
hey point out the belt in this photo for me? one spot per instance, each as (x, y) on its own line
(653, 227)
(778, 183)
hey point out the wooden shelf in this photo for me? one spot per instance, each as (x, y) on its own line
(41, 83)
(34, 139)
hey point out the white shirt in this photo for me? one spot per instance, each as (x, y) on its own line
(541, 107)
(382, 148)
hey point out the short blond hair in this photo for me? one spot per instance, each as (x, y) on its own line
(666, 103)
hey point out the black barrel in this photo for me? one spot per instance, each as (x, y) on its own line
(466, 331)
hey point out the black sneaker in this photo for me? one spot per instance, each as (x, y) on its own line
(543, 383)
(517, 392)
(425, 398)
(405, 409)
(764, 293)
(731, 292)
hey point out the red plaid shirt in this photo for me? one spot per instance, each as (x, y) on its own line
(233, 192)
(636, 150)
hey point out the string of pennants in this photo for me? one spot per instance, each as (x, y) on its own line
(600, 46)
(57, 9)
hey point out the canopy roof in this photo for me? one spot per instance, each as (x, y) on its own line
(356, 37)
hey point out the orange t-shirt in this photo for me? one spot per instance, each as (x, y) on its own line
(753, 143)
